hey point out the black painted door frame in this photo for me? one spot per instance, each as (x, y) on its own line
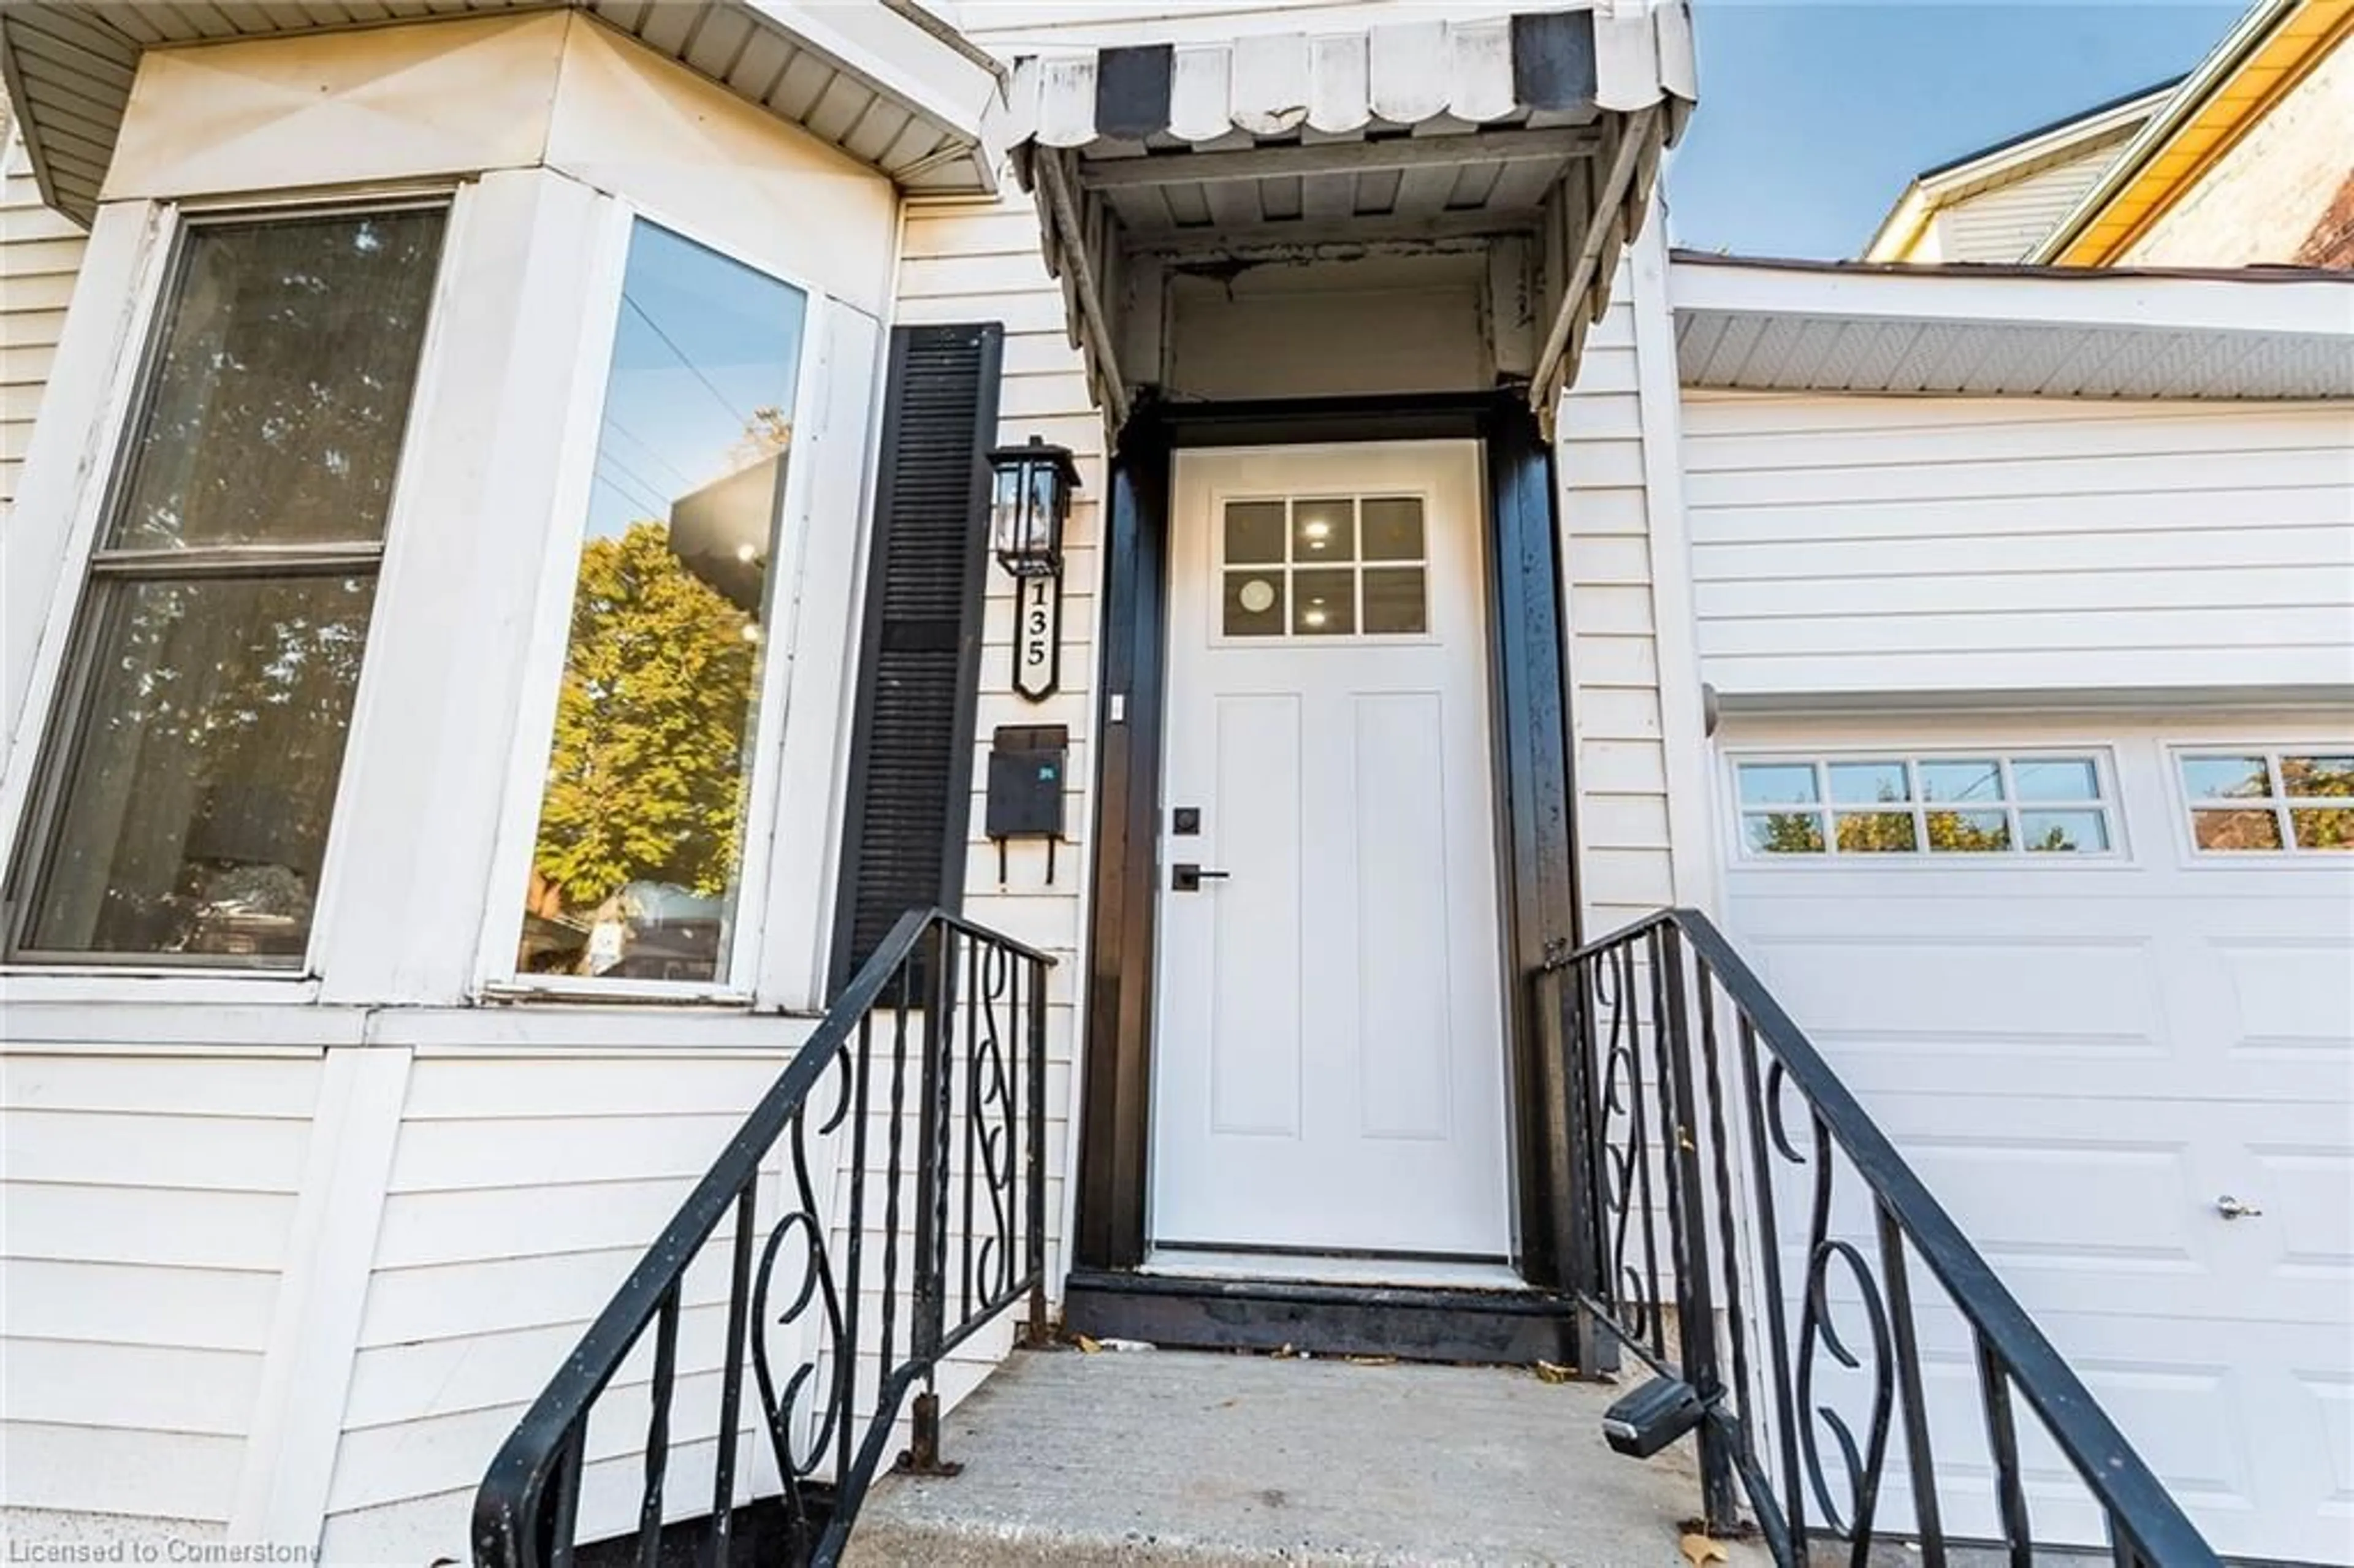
(1535, 854)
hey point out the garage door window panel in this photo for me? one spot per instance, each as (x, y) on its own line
(2267, 802)
(1925, 805)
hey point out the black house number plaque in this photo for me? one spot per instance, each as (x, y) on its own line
(1038, 635)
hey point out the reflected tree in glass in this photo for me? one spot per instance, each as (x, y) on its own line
(645, 781)
(638, 857)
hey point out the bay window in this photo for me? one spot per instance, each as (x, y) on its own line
(182, 811)
(639, 856)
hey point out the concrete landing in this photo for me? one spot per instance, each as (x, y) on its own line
(1179, 1457)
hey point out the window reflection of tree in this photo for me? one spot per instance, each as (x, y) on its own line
(645, 777)
(638, 853)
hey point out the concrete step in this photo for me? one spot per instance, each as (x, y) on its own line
(1169, 1457)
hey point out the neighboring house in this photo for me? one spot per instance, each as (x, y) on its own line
(2000, 202)
(500, 625)
(2248, 160)
(2251, 163)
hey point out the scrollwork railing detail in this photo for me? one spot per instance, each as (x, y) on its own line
(910, 1130)
(1688, 1090)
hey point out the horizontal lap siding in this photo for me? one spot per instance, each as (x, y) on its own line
(978, 261)
(1869, 545)
(146, 1212)
(40, 254)
(524, 1187)
(1620, 759)
(1627, 868)
(2007, 221)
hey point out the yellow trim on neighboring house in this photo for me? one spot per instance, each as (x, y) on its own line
(2232, 105)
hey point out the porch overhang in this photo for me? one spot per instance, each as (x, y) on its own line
(1533, 139)
(884, 81)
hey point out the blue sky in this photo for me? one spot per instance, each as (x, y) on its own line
(703, 342)
(1814, 113)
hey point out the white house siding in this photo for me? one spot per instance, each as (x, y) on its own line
(523, 1183)
(1859, 545)
(148, 1217)
(40, 253)
(1634, 693)
(2269, 194)
(978, 261)
(1619, 755)
(223, 1313)
(2006, 221)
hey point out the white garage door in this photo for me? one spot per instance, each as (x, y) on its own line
(2098, 983)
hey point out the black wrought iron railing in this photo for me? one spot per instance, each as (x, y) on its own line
(1745, 1229)
(904, 1149)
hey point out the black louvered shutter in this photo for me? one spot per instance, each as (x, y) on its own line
(911, 755)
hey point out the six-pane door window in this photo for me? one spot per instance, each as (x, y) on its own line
(1987, 804)
(184, 812)
(1328, 567)
(2256, 802)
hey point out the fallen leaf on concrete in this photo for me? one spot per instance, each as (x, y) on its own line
(1551, 1371)
(1700, 1549)
(1371, 1360)
(1088, 1346)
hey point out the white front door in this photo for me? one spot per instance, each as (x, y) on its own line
(1329, 1049)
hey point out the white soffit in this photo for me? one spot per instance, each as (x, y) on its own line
(880, 79)
(1546, 124)
(2255, 334)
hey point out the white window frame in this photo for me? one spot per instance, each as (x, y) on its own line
(2110, 803)
(163, 229)
(2183, 804)
(510, 871)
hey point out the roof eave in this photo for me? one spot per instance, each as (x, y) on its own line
(891, 48)
(1901, 230)
(2278, 334)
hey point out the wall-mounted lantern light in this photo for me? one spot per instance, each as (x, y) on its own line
(1030, 503)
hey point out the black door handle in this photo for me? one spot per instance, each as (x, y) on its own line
(1187, 877)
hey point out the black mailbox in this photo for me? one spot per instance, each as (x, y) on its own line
(1026, 765)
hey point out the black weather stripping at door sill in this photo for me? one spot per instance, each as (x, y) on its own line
(1424, 1323)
